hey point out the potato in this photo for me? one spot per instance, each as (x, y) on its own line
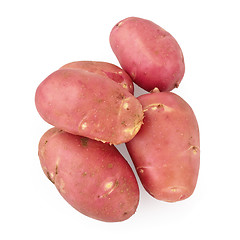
(105, 69)
(91, 176)
(148, 53)
(166, 151)
(90, 105)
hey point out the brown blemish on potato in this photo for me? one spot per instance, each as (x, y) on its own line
(124, 123)
(121, 96)
(49, 177)
(110, 165)
(46, 142)
(84, 141)
(176, 85)
(52, 176)
(84, 174)
(195, 149)
(158, 106)
(56, 170)
(57, 163)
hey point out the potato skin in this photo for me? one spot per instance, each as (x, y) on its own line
(166, 151)
(148, 53)
(90, 105)
(91, 176)
(104, 69)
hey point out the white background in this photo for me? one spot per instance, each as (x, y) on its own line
(38, 37)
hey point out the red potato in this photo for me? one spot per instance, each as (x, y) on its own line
(90, 105)
(104, 69)
(148, 53)
(166, 151)
(91, 176)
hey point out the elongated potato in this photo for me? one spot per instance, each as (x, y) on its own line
(166, 151)
(90, 105)
(91, 176)
(104, 69)
(148, 53)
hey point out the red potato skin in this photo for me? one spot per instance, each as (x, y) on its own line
(90, 105)
(91, 176)
(104, 69)
(166, 151)
(148, 53)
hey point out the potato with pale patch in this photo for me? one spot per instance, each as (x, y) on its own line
(90, 105)
(166, 150)
(91, 176)
(148, 53)
(104, 69)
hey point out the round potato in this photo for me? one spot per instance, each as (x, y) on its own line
(91, 176)
(148, 53)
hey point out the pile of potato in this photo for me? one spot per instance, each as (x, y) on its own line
(92, 108)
